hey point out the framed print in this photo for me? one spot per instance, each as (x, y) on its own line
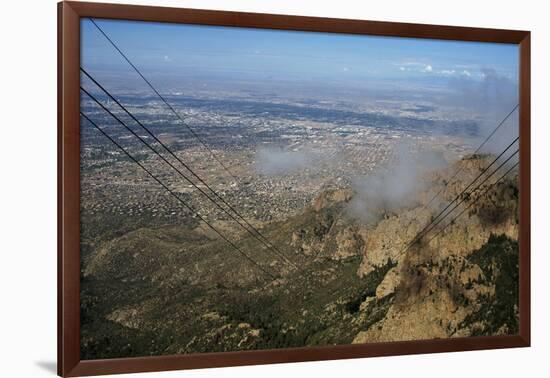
(239, 188)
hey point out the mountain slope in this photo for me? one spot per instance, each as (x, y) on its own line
(179, 289)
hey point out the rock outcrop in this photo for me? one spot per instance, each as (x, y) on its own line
(440, 283)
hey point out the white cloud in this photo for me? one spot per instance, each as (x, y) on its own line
(447, 72)
(402, 68)
(428, 68)
(411, 64)
(466, 73)
(167, 58)
(275, 162)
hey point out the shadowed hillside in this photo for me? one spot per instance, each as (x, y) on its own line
(179, 289)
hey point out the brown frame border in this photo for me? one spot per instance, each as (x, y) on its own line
(69, 13)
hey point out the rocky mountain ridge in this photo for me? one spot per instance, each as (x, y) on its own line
(180, 290)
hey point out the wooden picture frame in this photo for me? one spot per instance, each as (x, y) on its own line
(69, 14)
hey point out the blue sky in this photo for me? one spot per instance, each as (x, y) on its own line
(191, 49)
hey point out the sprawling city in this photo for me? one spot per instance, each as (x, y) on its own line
(280, 162)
